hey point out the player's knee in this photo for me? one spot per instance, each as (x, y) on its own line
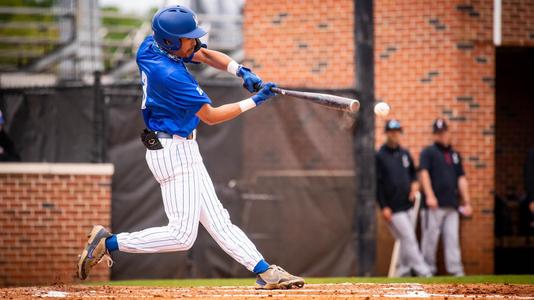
(185, 237)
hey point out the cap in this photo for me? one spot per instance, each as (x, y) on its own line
(392, 125)
(439, 125)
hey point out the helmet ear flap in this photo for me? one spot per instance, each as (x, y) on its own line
(169, 44)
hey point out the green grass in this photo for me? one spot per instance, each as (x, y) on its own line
(511, 279)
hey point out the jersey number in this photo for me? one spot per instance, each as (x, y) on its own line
(144, 81)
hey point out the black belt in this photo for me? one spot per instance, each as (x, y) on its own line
(164, 135)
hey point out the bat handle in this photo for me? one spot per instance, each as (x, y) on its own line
(277, 90)
(258, 87)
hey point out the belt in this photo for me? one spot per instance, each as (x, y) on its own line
(164, 135)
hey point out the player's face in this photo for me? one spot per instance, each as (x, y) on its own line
(442, 137)
(394, 137)
(187, 48)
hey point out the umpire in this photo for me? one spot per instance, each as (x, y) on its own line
(443, 180)
(396, 189)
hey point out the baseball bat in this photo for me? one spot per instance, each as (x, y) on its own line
(329, 101)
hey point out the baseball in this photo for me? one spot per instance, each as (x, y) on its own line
(382, 109)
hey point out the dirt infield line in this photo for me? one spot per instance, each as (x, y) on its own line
(312, 291)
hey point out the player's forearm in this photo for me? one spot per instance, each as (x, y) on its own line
(215, 115)
(414, 187)
(464, 190)
(213, 58)
(425, 182)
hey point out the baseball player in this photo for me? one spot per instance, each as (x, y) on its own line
(397, 186)
(444, 182)
(173, 105)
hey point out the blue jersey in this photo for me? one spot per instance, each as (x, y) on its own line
(171, 96)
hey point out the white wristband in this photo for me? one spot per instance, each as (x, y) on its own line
(247, 104)
(232, 67)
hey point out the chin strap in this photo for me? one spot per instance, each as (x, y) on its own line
(163, 52)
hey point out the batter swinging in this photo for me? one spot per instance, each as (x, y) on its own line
(173, 104)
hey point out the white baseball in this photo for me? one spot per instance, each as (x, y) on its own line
(382, 109)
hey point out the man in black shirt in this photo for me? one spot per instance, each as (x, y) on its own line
(444, 182)
(396, 190)
(7, 149)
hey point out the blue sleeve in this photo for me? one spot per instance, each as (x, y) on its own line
(188, 95)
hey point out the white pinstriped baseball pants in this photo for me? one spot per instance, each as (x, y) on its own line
(188, 198)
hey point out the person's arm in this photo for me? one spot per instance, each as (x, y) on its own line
(431, 200)
(426, 182)
(221, 61)
(414, 186)
(215, 115)
(380, 187)
(213, 58)
(464, 190)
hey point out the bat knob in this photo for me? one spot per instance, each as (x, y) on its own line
(354, 106)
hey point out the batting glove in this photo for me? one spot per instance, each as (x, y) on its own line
(251, 81)
(264, 94)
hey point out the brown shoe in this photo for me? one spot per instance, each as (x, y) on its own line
(277, 278)
(94, 252)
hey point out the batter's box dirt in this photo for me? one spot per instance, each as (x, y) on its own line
(311, 291)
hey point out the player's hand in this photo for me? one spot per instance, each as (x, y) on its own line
(466, 210)
(264, 94)
(431, 201)
(413, 195)
(251, 81)
(387, 214)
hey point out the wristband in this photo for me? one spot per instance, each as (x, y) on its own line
(246, 104)
(232, 67)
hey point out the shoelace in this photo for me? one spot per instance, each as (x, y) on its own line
(107, 258)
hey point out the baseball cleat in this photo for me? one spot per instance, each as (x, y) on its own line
(94, 252)
(277, 278)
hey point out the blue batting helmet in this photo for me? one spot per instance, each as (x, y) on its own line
(175, 22)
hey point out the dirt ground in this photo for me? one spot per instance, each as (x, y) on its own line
(310, 291)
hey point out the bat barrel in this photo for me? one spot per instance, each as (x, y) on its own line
(330, 101)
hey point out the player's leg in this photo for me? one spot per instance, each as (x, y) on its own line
(172, 167)
(215, 218)
(410, 254)
(431, 229)
(451, 243)
(402, 268)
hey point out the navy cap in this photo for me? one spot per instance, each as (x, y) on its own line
(439, 125)
(392, 125)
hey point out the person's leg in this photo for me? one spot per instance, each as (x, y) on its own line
(215, 218)
(431, 227)
(451, 243)
(402, 268)
(410, 254)
(172, 168)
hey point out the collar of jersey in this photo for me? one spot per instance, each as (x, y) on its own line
(163, 52)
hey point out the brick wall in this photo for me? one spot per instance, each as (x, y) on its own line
(517, 24)
(436, 59)
(301, 43)
(432, 59)
(46, 212)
